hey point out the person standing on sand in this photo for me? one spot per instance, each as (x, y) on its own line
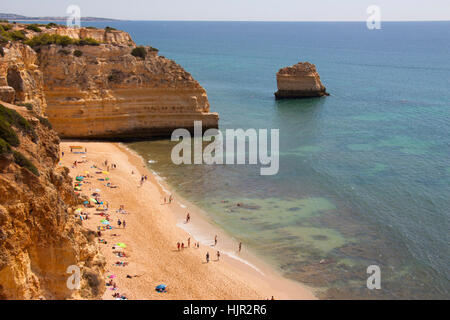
(178, 246)
(240, 246)
(189, 242)
(182, 245)
(124, 224)
(119, 223)
(188, 217)
(215, 240)
(62, 154)
(207, 257)
(218, 255)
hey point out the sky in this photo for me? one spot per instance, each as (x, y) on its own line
(237, 10)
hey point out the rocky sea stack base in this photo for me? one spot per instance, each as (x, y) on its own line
(299, 81)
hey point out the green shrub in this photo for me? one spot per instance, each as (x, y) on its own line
(17, 35)
(108, 29)
(88, 42)
(6, 27)
(139, 52)
(63, 51)
(5, 148)
(2, 52)
(50, 25)
(153, 49)
(91, 27)
(12, 117)
(33, 27)
(46, 39)
(8, 134)
(45, 122)
(78, 53)
(22, 161)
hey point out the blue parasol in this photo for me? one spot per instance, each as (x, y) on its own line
(161, 287)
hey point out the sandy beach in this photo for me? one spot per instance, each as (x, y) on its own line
(153, 229)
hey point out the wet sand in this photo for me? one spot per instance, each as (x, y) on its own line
(153, 230)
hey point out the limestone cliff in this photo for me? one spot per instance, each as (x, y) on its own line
(108, 93)
(111, 89)
(299, 81)
(21, 80)
(39, 236)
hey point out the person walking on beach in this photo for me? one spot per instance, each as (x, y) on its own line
(62, 154)
(215, 240)
(119, 222)
(178, 246)
(240, 246)
(218, 255)
(182, 245)
(207, 257)
(188, 217)
(124, 224)
(189, 242)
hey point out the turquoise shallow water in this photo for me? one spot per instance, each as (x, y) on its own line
(364, 173)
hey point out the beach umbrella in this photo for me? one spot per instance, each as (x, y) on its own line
(105, 221)
(93, 200)
(105, 172)
(121, 244)
(86, 202)
(79, 178)
(161, 287)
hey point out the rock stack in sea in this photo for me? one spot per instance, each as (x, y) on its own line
(299, 81)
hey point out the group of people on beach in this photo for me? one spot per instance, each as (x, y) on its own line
(121, 223)
(143, 179)
(168, 201)
(103, 208)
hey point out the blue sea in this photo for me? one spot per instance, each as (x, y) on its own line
(364, 173)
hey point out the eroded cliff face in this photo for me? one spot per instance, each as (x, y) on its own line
(39, 235)
(21, 81)
(108, 93)
(102, 91)
(299, 81)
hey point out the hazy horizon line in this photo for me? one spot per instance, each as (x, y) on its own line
(188, 20)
